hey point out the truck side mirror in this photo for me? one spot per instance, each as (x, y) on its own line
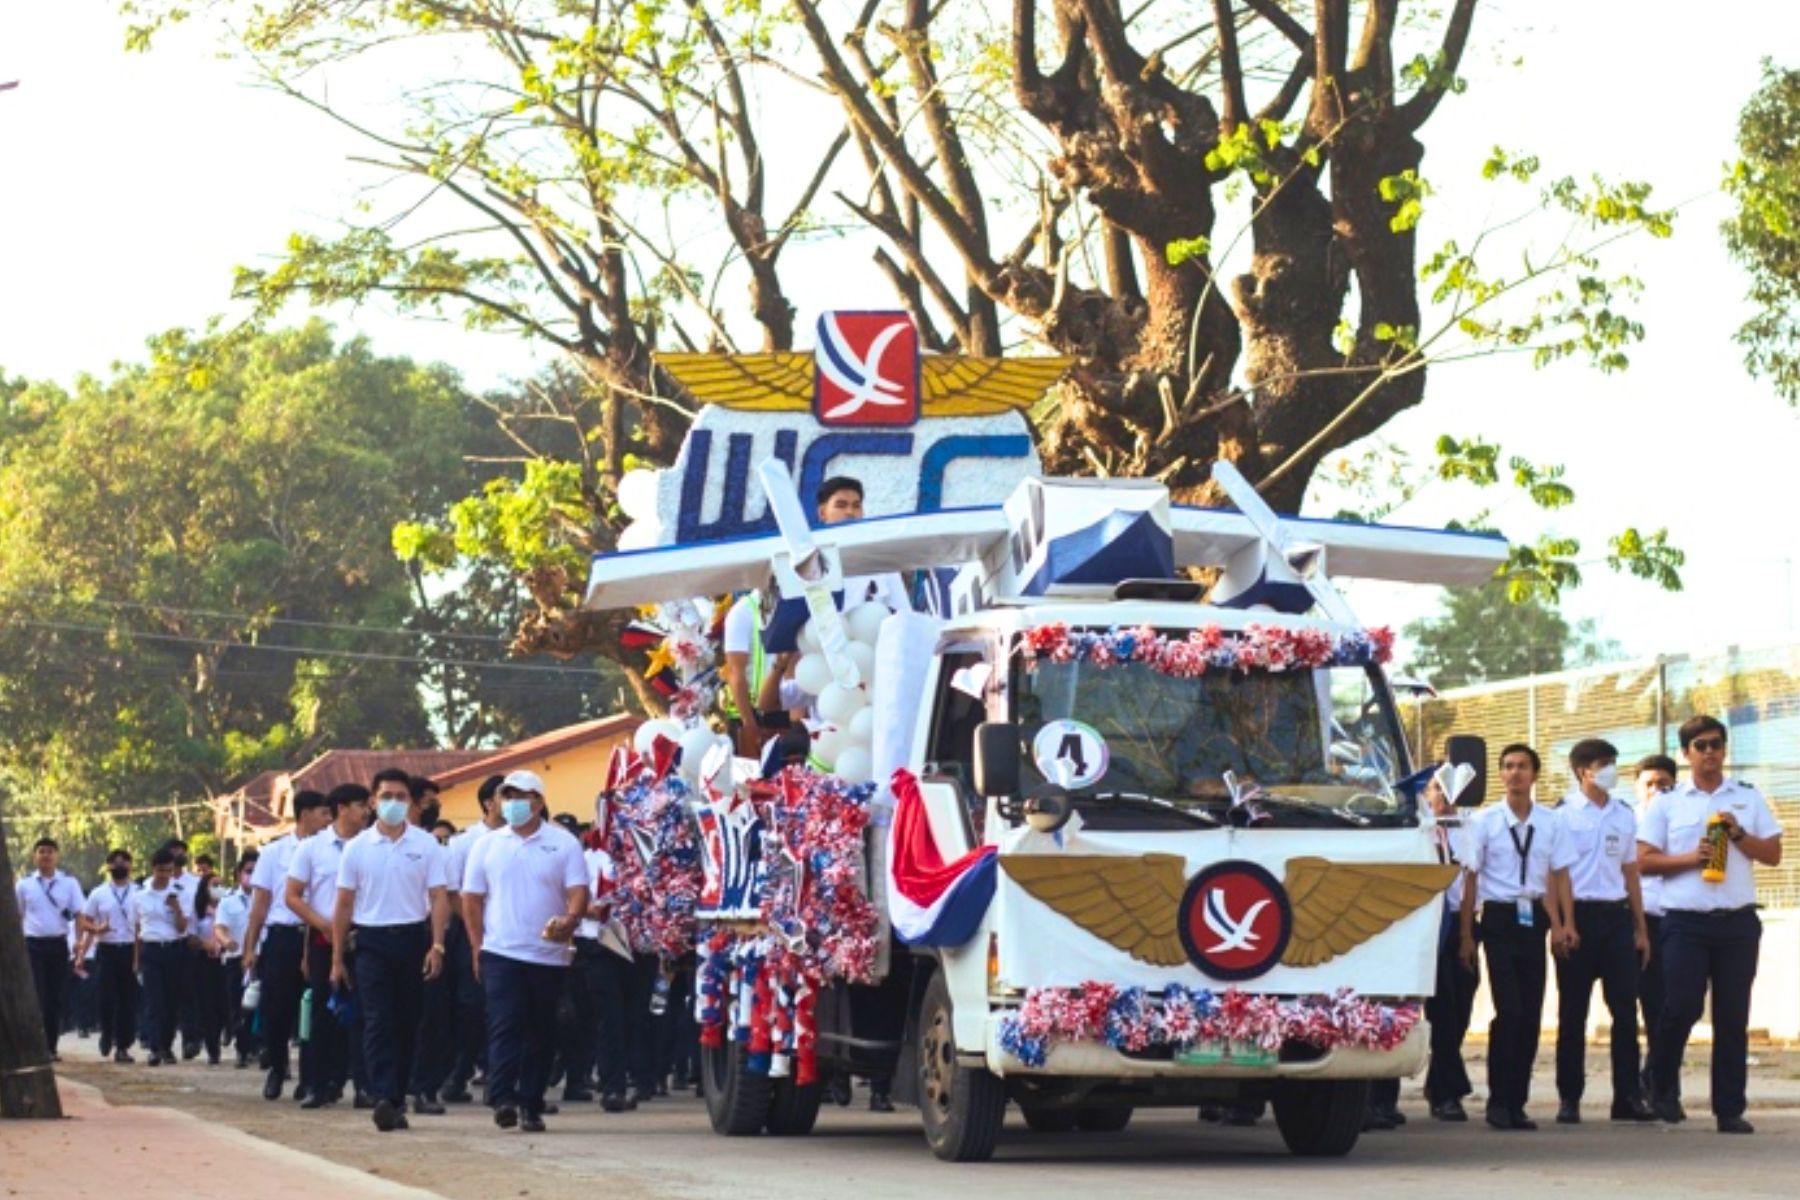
(1461, 748)
(997, 759)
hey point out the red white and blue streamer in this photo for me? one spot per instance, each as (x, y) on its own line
(1212, 649)
(932, 902)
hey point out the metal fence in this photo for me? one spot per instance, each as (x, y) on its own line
(1638, 706)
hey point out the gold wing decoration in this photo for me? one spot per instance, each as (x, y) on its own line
(1130, 903)
(1339, 906)
(779, 382)
(950, 384)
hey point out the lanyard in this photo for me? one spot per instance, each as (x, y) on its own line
(49, 889)
(120, 895)
(1522, 846)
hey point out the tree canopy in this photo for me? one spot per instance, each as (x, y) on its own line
(1764, 233)
(1482, 634)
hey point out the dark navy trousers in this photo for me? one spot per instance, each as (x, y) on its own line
(521, 1016)
(1702, 949)
(390, 988)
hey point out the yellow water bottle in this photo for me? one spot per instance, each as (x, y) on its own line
(1718, 837)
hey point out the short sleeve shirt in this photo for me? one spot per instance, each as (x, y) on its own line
(1603, 838)
(155, 923)
(315, 865)
(271, 876)
(234, 919)
(526, 881)
(392, 878)
(109, 905)
(44, 901)
(460, 845)
(740, 626)
(1676, 822)
(1495, 838)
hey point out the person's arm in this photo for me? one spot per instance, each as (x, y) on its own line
(778, 668)
(340, 935)
(1559, 903)
(1466, 919)
(173, 903)
(296, 902)
(1640, 928)
(1765, 850)
(440, 918)
(259, 912)
(737, 679)
(474, 904)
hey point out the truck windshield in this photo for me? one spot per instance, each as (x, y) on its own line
(1321, 736)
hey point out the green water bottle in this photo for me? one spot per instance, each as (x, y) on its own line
(306, 1016)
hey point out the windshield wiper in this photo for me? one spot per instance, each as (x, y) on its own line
(1147, 803)
(1349, 816)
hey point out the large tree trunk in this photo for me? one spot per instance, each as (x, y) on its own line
(27, 1081)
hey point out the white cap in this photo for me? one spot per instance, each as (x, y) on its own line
(524, 781)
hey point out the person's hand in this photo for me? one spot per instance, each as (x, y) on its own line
(434, 962)
(1702, 854)
(475, 963)
(172, 904)
(1730, 821)
(1641, 939)
(1565, 941)
(1466, 954)
(340, 977)
(560, 929)
(249, 961)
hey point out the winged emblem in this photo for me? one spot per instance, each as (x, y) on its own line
(952, 385)
(1134, 903)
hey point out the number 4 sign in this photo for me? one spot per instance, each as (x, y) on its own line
(1071, 754)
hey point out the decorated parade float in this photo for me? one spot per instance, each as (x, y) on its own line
(1064, 828)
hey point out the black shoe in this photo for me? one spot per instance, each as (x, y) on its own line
(880, 1102)
(1735, 1125)
(400, 1120)
(1449, 1110)
(1499, 1119)
(155, 1060)
(577, 1096)
(549, 1110)
(837, 1090)
(303, 1093)
(272, 1085)
(190, 1050)
(1521, 1121)
(531, 1123)
(456, 1094)
(615, 1102)
(1634, 1109)
(243, 1061)
(212, 1059)
(316, 1100)
(1375, 1118)
(425, 1104)
(641, 1095)
(1670, 1110)
(506, 1116)
(1568, 1112)
(387, 1117)
(363, 1100)
(105, 1047)
(123, 1056)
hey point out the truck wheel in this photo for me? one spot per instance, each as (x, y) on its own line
(737, 1102)
(1103, 1120)
(1049, 1120)
(793, 1110)
(963, 1107)
(1321, 1118)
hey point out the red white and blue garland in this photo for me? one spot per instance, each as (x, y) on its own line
(1255, 647)
(1134, 1020)
(656, 856)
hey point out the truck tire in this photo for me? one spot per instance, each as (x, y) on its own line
(737, 1103)
(1104, 1120)
(793, 1110)
(1049, 1120)
(962, 1107)
(1321, 1118)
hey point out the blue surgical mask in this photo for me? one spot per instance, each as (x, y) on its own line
(515, 812)
(391, 812)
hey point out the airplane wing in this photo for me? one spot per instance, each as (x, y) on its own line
(1210, 536)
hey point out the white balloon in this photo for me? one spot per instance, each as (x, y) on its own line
(812, 673)
(854, 765)
(838, 704)
(644, 739)
(861, 730)
(863, 623)
(828, 742)
(809, 639)
(694, 745)
(640, 535)
(637, 494)
(863, 655)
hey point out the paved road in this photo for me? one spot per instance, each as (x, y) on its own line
(666, 1149)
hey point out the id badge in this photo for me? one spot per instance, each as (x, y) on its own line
(1525, 918)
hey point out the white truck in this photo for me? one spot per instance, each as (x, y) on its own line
(1145, 850)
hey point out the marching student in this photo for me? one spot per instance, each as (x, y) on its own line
(1517, 866)
(312, 894)
(49, 900)
(107, 924)
(525, 890)
(275, 939)
(228, 931)
(1655, 775)
(1453, 1002)
(469, 1006)
(388, 928)
(1706, 838)
(1611, 944)
(164, 920)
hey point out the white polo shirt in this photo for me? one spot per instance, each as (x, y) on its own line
(109, 904)
(526, 881)
(1649, 885)
(155, 923)
(234, 919)
(271, 875)
(43, 902)
(1676, 823)
(392, 878)
(1492, 845)
(1603, 838)
(316, 866)
(461, 843)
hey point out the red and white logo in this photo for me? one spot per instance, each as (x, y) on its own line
(866, 369)
(1235, 921)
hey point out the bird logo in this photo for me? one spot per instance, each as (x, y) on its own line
(867, 369)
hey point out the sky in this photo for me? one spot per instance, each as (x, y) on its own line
(136, 183)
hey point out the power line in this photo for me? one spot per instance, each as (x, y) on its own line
(176, 610)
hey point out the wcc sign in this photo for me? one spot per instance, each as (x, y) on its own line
(922, 433)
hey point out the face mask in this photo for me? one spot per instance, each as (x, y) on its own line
(120, 872)
(1607, 778)
(391, 812)
(515, 812)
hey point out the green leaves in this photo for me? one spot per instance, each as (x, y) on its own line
(1406, 192)
(1763, 235)
(1185, 249)
(1647, 557)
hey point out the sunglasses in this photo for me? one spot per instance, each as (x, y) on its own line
(1707, 745)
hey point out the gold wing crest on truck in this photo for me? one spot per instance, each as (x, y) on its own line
(1339, 906)
(951, 385)
(1134, 903)
(1129, 903)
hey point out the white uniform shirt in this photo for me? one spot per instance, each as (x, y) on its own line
(1493, 842)
(600, 876)
(1454, 849)
(1603, 839)
(463, 841)
(1649, 885)
(392, 877)
(234, 919)
(740, 627)
(155, 923)
(43, 902)
(271, 875)
(526, 881)
(316, 865)
(109, 904)
(1676, 823)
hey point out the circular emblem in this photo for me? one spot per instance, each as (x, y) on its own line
(1071, 754)
(1235, 920)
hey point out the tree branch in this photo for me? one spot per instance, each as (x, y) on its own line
(1416, 111)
